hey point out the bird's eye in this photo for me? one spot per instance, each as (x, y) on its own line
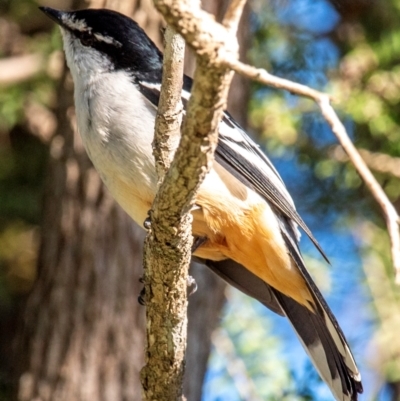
(87, 39)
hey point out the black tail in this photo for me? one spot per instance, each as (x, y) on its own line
(331, 361)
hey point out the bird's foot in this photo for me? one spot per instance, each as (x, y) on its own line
(142, 293)
(191, 286)
(147, 223)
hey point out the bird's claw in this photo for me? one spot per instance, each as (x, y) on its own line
(191, 286)
(147, 223)
(141, 297)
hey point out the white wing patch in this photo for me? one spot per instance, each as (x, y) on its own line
(151, 85)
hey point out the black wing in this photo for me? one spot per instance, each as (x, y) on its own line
(237, 153)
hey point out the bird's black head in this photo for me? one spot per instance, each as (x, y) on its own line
(115, 36)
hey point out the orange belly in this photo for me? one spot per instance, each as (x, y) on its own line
(249, 234)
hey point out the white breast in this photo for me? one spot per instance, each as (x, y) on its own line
(116, 124)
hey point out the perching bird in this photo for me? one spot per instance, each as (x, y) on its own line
(242, 209)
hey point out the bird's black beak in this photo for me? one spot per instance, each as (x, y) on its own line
(53, 14)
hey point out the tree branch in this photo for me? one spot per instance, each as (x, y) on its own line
(323, 101)
(168, 244)
(217, 56)
(391, 216)
(233, 13)
(169, 114)
(208, 38)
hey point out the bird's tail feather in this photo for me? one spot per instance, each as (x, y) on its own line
(317, 337)
(324, 340)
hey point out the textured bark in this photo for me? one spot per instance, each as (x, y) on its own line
(238, 98)
(168, 245)
(206, 304)
(169, 113)
(167, 249)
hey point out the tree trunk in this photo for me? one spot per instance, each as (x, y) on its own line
(394, 388)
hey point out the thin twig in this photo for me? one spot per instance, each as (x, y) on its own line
(169, 112)
(232, 16)
(390, 212)
(323, 101)
(264, 77)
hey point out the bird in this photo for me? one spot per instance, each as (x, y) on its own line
(243, 213)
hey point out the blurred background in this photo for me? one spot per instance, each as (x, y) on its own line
(70, 259)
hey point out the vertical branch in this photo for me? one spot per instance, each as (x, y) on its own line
(168, 244)
(233, 14)
(167, 248)
(169, 114)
